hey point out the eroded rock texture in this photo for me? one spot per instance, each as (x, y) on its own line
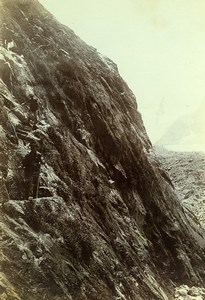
(107, 223)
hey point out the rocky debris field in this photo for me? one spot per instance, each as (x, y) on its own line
(185, 293)
(187, 173)
(107, 223)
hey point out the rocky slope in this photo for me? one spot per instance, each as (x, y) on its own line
(107, 223)
(185, 293)
(187, 172)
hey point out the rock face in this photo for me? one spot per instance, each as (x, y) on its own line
(185, 293)
(187, 172)
(107, 223)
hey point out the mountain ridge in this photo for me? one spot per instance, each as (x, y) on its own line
(107, 223)
(187, 131)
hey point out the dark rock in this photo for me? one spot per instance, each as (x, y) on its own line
(109, 224)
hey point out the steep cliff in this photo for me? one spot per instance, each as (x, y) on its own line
(187, 172)
(107, 223)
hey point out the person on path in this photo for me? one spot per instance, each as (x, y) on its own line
(6, 35)
(33, 109)
(6, 74)
(32, 164)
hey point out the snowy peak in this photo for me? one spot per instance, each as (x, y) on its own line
(186, 133)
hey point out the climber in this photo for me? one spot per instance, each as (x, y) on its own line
(6, 74)
(32, 164)
(3, 175)
(6, 35)
(4, 158)
(33, 109)
(84, 136)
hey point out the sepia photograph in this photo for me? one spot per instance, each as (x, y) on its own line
(102, 150)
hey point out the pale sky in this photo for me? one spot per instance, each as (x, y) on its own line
(158, 45)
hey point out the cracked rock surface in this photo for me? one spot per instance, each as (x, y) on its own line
(107, 223)
(187, 172)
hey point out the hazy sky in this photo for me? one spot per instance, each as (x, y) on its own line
(159, 46)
